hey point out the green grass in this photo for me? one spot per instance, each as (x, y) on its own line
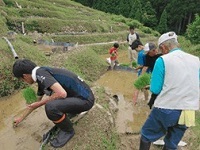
(86, 63)
(110, 143)
(91, 38)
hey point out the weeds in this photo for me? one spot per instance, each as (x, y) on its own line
(110, 143)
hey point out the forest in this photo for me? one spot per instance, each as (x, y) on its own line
(160, 15)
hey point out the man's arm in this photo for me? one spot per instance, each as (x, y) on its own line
(28, 110)
(157, 80)
(157, 77)
(58, 92)
(144, 69)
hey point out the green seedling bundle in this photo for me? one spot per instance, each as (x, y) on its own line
(142, 81)
(29, 95)
(134, 64)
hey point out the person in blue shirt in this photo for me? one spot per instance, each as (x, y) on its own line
(175, 92)
(138, 46)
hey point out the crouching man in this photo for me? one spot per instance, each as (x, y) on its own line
(67, 94)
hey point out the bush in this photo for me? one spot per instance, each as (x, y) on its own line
(134, 23)
(193, 31)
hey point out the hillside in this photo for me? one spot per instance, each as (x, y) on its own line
(61, 21)
(50, 16)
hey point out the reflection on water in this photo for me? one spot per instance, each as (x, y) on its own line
(119, 82)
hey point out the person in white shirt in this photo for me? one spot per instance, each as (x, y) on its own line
(175, 94)
(132, 36)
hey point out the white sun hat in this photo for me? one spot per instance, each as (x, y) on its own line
(167, 36)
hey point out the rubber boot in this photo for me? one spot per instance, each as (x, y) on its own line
(165, 148)
(64, 135)
(144, 145)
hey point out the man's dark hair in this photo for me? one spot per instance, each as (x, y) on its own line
(135, 44)
(23, 66)
(116, 45)
(132, 27)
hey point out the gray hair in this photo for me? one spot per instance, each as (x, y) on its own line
(171, 43)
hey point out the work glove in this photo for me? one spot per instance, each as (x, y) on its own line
(152, 100)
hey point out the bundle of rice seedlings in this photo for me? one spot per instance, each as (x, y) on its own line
(125, 65)
(29, 95)
(134, 64)
(142, 81)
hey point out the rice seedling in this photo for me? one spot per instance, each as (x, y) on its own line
(134, 64)
(142, 81)
(29, 95)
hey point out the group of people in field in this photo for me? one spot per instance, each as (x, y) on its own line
(174, 87)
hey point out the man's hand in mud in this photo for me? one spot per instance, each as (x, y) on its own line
(17, 121)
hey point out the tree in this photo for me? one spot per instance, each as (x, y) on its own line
(149, 16)
(124, 7)
(138, 10)
(193, 31)
(162, 26)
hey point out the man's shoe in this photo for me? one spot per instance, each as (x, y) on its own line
(62, 138)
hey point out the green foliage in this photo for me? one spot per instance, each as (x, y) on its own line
(8, 84)
(142, 81)
(149, 11)
(162, 26)
(119, 18)
(193, 31)
(134, 64)
(149, 16)
(3, 25)
(111, 142)
(9, 2)
(90, 38)
(146, 30)
(187, 46)
(134, 23)
(138, 10)
(29, 95)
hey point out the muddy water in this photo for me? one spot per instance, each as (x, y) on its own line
(130, 117)
(27, 135)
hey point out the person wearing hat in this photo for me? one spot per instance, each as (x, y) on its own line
(175, 85)
(152, 54)
(66, 94)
